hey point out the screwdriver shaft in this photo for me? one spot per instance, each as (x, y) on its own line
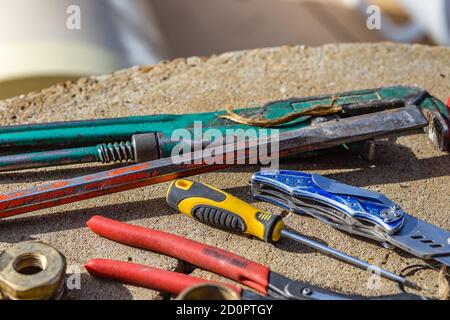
(345, 257)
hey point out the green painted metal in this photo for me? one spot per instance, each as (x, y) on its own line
(277, 109)
(90, 133)
(49, 158)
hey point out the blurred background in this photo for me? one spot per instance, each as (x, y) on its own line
(48, 41)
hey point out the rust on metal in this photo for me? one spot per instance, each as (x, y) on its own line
(323, 135)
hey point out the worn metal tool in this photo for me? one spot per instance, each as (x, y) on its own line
(267, 283)
(208, 291)
(32, 271)
(317, 137)
(140, 148)
(217, 208)
(355, 210)
(145, 138)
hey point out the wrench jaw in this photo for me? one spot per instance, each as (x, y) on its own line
(438, 130)
(438, 117)
(368, 214)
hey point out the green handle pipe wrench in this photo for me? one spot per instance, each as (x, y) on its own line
(145, 138)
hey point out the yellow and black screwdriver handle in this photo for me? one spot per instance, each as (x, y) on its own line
(219, 209)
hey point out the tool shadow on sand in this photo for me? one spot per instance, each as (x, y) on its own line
(39, 175)
(395, 163)
(24, 228)
(98, 289)
(15, 228)
(289, 245)
(386, 171)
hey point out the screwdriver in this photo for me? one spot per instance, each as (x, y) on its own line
(219, 209)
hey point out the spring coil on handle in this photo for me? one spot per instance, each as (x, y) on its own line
(115, 151)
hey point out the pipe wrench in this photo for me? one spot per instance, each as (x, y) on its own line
(355, 210)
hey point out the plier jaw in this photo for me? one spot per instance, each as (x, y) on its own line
(283, 288)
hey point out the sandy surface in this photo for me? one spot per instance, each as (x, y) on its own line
(412, 172)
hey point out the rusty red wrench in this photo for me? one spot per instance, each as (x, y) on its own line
(320, 136)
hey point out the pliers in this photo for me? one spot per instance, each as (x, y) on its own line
(266, 283)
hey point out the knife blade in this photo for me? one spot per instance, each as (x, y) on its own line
(354, 210)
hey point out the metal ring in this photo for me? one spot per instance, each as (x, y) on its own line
(208, 291)
(32, 270)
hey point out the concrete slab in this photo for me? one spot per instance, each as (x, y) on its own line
(411, 172)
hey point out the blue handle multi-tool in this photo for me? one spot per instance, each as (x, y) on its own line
(355, 210)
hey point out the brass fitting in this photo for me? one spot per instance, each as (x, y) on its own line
(208, 291)
(32, 271)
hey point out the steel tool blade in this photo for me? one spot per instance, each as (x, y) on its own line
(355, 210)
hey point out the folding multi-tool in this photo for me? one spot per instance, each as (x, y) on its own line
(355, 210)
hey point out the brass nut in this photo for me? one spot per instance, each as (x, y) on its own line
(208, 291)
(32, 271)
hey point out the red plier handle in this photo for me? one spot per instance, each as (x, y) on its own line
(148, 277)
(227, 264)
